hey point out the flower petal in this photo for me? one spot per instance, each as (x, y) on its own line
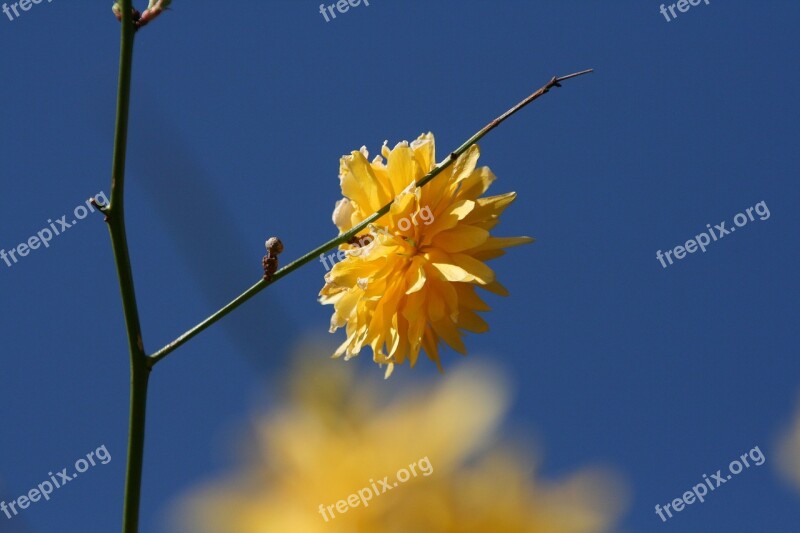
(460, 238)
(360, 184)
(403, 168)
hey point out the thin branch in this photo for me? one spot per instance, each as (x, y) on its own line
(345, 237)
(115, 216)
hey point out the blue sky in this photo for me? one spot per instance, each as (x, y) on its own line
(240, 111)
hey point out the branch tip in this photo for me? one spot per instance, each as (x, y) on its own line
(573, 75)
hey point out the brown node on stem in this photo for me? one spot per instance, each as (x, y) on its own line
(270, 262)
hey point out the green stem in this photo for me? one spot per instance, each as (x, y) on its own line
(115, 215)
(313, 254)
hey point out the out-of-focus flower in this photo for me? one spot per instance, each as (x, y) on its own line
(789, 452)
(339, 435)
(415, 284)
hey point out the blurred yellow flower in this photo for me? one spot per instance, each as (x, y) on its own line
(410, 279)
(789, 453)
(340, 435)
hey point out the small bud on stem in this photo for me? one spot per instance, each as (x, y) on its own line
(270, 262)
(154, 9)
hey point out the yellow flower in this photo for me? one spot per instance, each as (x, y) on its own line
(789, 453)
(410, 279)
(340, 435)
